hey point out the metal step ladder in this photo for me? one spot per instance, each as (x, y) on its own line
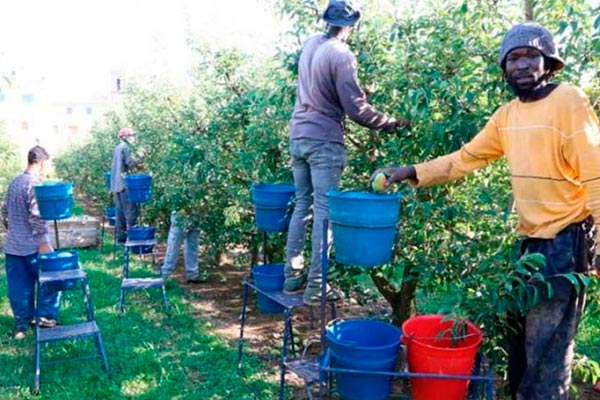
(87, 329)
(139, 283)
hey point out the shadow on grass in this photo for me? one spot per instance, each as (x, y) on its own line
(151, 356)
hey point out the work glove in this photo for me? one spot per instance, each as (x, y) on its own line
(395, 125)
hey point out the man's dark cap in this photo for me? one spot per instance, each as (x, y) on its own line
(341, 13)
(37, 154)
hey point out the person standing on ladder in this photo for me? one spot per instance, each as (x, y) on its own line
(122, 162)
(328, 89)
(550, 136)
(28, 235)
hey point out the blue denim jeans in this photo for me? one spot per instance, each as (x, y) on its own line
(317, 166)
(21, 274)
(180, 231)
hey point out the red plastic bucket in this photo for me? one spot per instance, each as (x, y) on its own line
(431, 349)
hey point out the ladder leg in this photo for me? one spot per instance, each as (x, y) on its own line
(286, 332)
(242, 323)
(121, 302)
(101, 351)
(38, 355)
(37, 350)
(102, 232)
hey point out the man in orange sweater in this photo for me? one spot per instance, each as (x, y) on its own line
(550, 137)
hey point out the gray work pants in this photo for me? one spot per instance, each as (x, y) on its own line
(317, 166)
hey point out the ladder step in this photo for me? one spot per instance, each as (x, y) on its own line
(68, 332)
(58, 276)
(134, 243)
(142, 283)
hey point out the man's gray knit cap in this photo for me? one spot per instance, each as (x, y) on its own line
(533, 35)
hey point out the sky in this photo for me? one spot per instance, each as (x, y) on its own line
(71, 47)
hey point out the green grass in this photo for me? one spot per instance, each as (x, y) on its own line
(150, 356)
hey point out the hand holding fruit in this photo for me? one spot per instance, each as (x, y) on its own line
(384, 177)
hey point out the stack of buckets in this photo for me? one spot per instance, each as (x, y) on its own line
(363, 345)
(54, 199)
(364, 226)
(139, 190)
(431, 348)
(272, 211)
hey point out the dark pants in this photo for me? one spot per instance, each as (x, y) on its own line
(21, 275)
(127, 215)
(541, 353)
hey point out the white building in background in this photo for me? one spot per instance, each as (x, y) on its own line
(34, 114)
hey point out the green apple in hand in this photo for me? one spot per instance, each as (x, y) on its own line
(378, 184)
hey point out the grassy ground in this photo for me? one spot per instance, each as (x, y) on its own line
(151, 356)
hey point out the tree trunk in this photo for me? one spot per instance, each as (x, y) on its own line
(529, 6)
(402, 301)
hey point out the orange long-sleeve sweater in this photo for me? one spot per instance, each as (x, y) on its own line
(553, 151)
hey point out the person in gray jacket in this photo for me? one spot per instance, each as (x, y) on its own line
(328, 89)
(122, 162)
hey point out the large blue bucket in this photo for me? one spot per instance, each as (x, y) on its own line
(268, 277)
(272, 206)
(59, 261)
(107, 180)
(367, 345)
(364, 226)
(55, 199)
(139, 188)
(141, 233)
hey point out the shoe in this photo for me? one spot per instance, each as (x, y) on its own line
(312, 295)
(201, 278)
(47, 322)
(294, 284)
(20, 334)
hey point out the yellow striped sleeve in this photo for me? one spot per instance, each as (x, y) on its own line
(482, 150)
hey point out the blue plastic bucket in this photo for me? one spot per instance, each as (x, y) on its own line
(110, 214)
(59, 261)
(364, 226)
(272, 206)
(55, 199)
(268, 277)
(141, 233)
(139, 188)
(367, 345)
(107, 180)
